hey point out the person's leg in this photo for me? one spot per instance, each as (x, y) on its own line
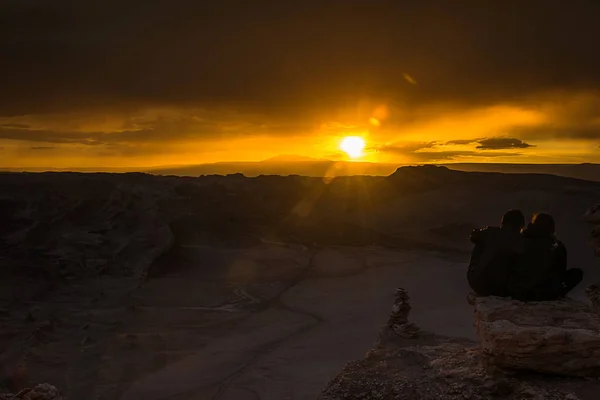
(550, 290)
(571, 278)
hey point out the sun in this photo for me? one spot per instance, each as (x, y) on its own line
(353, 146)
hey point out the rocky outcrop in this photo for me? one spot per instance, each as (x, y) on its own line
(42, 391)
(558, 337)
(432, 367)
(72, 249)
(75, 227)
(437, 370)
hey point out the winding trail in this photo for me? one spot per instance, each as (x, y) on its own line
(269, 323)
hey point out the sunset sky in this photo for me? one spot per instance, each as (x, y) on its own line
(134, 83)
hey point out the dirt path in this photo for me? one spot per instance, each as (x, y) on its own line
(261, 334)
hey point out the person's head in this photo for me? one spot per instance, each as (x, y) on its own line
(513, 220)
(543, 223)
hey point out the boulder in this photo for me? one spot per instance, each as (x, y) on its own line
(557, 337)
(42, 391)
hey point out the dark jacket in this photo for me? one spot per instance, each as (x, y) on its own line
(540, 266)
(494, 252)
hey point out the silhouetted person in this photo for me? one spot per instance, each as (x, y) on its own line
(540, 272)
(494, 252)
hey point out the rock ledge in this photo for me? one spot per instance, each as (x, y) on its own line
(557, 337)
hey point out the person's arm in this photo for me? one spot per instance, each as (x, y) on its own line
(476, 236)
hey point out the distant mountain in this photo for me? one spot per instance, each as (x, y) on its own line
(281, 165)
(307, 166)
(587, 171)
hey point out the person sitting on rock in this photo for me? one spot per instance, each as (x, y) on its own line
(540, 272)
(494, 252)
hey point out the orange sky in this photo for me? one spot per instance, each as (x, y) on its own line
(152, 83)
(535, 131)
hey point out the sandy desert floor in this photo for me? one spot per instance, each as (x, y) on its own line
(224, 325)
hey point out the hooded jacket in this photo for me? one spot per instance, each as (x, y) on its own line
(541, 264)
(494, 253)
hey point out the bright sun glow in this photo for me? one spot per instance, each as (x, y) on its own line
(353, 146)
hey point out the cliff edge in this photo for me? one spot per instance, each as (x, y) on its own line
(544, 350)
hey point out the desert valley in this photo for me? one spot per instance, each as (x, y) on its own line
(134, 286)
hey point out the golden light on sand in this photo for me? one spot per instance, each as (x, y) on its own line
(353, 146)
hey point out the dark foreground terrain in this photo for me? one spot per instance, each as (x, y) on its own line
(132, 286)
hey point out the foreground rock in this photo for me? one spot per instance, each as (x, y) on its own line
(440, 369)
(427, 366)
(559, 337)
(42, 391)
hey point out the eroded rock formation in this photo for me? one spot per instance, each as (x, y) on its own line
(559, 337)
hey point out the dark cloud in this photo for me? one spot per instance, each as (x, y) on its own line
(48, 136)
(41, 148)
(179, 126)
(14, 126)
(287, 57)
(502, 143)
(463, 141)
(498, 143)
(404, 148)
(420, 152)
(86, 138)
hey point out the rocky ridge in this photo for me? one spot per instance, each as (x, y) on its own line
(72, 248)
